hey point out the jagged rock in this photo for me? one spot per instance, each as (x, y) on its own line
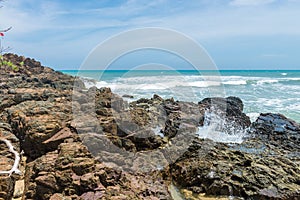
(127, 96)
(278, 130)
(259, 168)
(35, 122)
(7, 160)
(72, 171)
(77, 142)
(56, 172)
(231, 108)
(35, 74)
(59, 165)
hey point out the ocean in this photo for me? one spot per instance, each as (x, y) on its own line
(261, 91)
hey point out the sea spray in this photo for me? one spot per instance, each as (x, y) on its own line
(219, 129)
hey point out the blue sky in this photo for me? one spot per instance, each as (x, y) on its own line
(238, 34)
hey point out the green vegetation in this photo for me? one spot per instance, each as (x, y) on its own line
(9, 64)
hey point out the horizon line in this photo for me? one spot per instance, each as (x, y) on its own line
(179, 70)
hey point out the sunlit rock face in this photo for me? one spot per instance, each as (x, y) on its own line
(114, 149)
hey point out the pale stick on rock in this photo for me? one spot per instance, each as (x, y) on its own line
(14, 169)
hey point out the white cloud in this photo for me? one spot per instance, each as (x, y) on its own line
(212, 21)
(29, 16)
(250, 2)
(50, 24)
(27, 20)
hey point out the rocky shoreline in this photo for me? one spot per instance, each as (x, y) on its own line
(78, 143)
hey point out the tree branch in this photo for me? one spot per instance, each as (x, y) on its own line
(5, 30)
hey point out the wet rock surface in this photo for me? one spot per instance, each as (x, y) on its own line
(92, 144)
(264, 166)
(278, 130)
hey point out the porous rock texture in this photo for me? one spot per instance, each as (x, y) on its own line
(84, 143)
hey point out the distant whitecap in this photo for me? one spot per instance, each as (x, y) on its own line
(237, 82)
(267, 81)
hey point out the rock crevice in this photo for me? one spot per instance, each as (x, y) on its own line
(112, 149)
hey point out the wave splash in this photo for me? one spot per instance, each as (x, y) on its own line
(218, 129)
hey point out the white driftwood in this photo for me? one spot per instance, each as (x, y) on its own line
(15, 168)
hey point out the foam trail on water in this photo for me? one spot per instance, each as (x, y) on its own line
(267, 81)
(235, 82)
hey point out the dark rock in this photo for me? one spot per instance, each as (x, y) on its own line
(277, 130)
(127, 96)
(157, 97)
(230, 107)
(252, 170)
(76, 142)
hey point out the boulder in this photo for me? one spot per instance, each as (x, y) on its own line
(278, 130)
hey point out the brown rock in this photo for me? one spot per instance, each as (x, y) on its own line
(7, 160)
(57, 196)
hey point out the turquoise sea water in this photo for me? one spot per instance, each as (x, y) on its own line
(261, 91)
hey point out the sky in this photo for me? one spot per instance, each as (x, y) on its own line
(237, 34)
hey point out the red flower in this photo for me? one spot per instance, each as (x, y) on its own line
(2, 34)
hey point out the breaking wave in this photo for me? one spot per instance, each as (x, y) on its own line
(218, 129)
(260, 91)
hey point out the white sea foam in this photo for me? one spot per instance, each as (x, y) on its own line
(102, 84)
(293, 79)
(295, 106)
(164, 82)
(235, 82)
(216, 128)
(153, 87)
(156, 79)
(278, 103)
(88, 82)
(267, 81)
(203, 84)
(283, 74)
(253, 116)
